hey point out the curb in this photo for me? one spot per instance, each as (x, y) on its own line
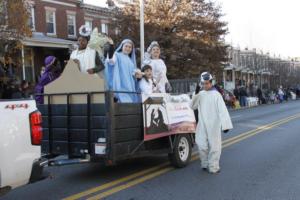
(261, 105)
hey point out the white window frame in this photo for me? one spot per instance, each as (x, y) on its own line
(32, 9)
(53, 10)
(105, 27)
(72, 14)
(88, 20)
(117, 31)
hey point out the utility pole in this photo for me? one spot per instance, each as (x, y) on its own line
(142, 31)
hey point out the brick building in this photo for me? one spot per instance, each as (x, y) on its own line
(55, 25)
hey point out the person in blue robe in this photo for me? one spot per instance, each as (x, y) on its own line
(121, 73)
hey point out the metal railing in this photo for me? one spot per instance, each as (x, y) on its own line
(183, 86)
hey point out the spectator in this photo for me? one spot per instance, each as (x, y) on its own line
(52, 72)
(8, 89)
(8, 68)
(20, 91)
(25, 89)
(280, 94)
(236, 93)
(260, 96)
(220, 90)
(298, 92)
(272, 97)
(243, 96)
(16, 91)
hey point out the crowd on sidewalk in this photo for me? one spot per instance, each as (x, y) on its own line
(245, 97)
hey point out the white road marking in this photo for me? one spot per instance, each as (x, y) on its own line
(236, 116)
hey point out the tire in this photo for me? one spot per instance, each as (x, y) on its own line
(182, 151)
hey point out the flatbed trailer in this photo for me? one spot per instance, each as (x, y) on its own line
(90, 126)
(80, 131)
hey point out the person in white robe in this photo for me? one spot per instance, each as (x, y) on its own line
(146, 84)
(159, 68)
(87, 59)
(213, 117)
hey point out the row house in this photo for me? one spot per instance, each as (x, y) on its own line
(253, 69)
(55, 25)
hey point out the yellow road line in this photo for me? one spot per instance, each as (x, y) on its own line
(135, 182)
(115, 182)
(258, 128)
(131, 183)
(144, 175)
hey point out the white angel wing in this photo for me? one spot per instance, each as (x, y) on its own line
(98, 41)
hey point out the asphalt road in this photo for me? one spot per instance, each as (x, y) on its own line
(260, 160)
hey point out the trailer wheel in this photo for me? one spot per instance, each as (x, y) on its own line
(182, 151)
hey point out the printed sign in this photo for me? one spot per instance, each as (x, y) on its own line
(167, 115)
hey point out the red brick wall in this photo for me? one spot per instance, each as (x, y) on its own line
(61, 17)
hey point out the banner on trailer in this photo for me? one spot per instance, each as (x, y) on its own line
(167, 115)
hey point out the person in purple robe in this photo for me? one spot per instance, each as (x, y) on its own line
(52, 72)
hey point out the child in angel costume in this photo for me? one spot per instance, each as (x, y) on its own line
(152, 57)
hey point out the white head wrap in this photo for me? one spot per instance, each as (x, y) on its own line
(148, 52)
(205, 76)
(85, 31)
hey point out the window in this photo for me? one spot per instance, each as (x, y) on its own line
(71, 25)
(29, 64)
(31, 20)
(50, 22)
(89, 23)
(104, 28)
(117, 31)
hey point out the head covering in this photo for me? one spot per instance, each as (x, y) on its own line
(49, 61)
(85, 31)
(205, 76)
(132, 54)
(149, 49)
(153, 44)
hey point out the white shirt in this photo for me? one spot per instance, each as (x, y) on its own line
(146, 86)
(86, 58)
(159, 70)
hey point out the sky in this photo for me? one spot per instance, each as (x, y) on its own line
(268, 25)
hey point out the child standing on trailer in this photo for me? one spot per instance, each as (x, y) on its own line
(147, 86)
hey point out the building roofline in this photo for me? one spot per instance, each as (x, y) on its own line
(96, 9)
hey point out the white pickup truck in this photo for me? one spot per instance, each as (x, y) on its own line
(20, 144)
